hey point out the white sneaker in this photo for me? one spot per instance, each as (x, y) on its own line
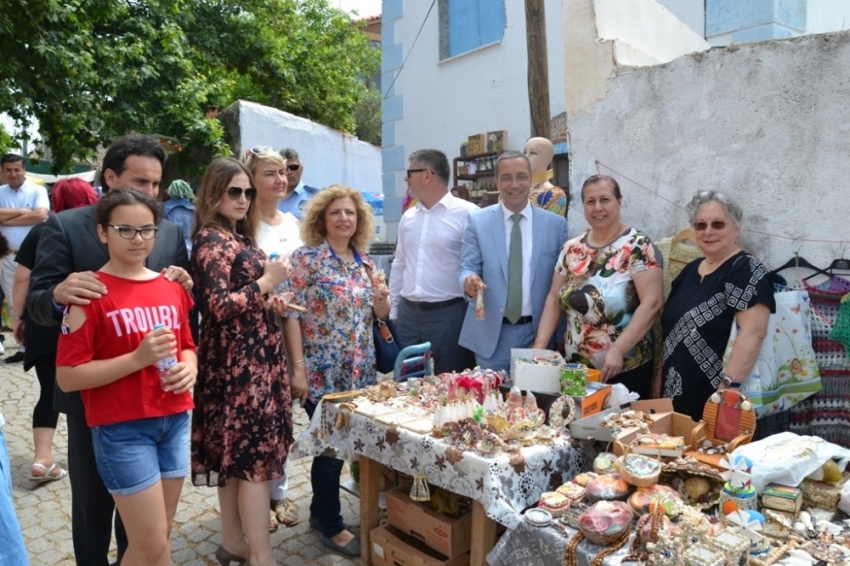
(2, 349)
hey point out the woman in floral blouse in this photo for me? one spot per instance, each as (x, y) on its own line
(608, 282)
(331, 343)
(242, 423)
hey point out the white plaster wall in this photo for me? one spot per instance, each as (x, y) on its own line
(827, 15)
(645, 32)
(476, 92)
(328, 156)
(746, 120)
(691, 12)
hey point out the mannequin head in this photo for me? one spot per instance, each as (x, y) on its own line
(540, 152)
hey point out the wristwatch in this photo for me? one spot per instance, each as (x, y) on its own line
(729, 382)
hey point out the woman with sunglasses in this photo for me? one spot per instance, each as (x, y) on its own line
(710, 294)
(278, 233)
(241, 428)
(609, 284)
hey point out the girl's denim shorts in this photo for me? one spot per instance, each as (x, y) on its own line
(131, 456)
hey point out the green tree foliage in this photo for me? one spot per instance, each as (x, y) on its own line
(90, 70)
(6, 141)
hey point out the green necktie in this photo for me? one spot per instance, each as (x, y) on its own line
(514, 307)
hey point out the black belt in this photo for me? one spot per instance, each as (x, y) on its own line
(421, 306)
(522, 320)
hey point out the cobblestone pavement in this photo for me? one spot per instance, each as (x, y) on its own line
(45, 511)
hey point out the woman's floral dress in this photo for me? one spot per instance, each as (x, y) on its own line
(337, 327)
(242, 423)
(599, 296)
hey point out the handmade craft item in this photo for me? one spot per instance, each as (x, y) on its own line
(562, 412)
(537, 517)
(605, 522)
(639, 470)
(644, 499)
(607, 487)
(574, 380)
(606, 463)
(573, 491)
(738, 491)
(555, 503)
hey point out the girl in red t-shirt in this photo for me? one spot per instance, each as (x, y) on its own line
(108, 350)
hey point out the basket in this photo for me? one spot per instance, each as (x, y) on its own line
(637, 469)
(604, 539)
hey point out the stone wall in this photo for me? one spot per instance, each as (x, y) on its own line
(766, 122)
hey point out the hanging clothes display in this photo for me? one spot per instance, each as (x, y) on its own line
(826, 414)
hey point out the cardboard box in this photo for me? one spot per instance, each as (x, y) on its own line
(782, 498)
(595, 400)
(447, 535)
(536, 377)
(476, 144)
(392, 548)
(665, 421)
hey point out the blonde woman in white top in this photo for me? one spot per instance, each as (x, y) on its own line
(279, 233)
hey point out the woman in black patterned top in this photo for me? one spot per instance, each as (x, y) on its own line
(727, 285)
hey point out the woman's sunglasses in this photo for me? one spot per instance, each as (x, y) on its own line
(261, 149)
(235, 192)
(715, 225)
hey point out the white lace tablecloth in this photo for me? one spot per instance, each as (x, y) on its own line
(504, 485)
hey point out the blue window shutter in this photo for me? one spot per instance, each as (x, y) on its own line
(473, 23)
(492, 18)
(464, 30)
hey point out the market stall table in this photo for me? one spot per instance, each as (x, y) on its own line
(500, 486)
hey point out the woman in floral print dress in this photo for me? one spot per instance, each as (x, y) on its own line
(242, 424)
(608, 282)
(331, 344)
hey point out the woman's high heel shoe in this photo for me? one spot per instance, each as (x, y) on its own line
(225, 557)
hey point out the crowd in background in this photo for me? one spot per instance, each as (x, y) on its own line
(273, 281)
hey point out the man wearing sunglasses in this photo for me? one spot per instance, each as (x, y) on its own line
(427, 301)
(297, 193)
(69, 253)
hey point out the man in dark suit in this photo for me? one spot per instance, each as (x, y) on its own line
(509, 253)
(69, 252)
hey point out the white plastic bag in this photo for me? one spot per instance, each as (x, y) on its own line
(844, 502)
(787, 458)
(620, 395)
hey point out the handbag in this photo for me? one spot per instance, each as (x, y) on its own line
(387, 345)
(786, 371)
(385, 337)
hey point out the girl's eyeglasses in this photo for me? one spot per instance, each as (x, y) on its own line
(235, 192)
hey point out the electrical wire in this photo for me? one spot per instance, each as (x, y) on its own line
(387, 94)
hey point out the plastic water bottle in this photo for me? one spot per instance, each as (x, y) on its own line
(280, 288)
(164, 365)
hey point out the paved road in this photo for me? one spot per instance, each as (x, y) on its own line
(45, 511)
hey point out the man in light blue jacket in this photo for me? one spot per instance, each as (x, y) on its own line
(509, 253)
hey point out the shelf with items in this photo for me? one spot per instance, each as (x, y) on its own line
(479, 168)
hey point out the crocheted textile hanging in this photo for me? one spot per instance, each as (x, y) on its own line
(827, 414)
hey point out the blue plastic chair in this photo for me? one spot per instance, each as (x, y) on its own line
(413, 361)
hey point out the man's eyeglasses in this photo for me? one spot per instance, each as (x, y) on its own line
(261, 149)
(293, 167)
(235, 192)
(716, 225)
(410, 172)
(521, 178)
(128, 232)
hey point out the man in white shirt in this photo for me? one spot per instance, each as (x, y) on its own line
(427, 301)
(22, 205)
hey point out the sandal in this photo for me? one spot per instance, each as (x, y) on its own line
(48, 475)
(272, 522)
(285, 512)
